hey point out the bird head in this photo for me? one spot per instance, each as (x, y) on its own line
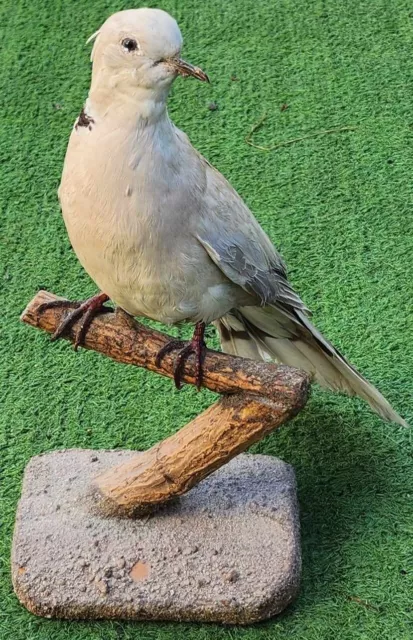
(140, 48)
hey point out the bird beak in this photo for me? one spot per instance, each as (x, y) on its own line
(186, 69)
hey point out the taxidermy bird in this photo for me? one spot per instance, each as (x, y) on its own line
(163, 234)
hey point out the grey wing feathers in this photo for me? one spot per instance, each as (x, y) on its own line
(245, 262)
(239, 246)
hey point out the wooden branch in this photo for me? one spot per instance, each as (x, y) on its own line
(125, 340)
(176, 464)
(258, 398)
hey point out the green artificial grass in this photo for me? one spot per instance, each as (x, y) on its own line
(340, 208)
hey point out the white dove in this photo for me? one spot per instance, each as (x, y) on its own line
(162, 233)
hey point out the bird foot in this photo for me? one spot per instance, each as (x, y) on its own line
(195, 346)
(85, 311)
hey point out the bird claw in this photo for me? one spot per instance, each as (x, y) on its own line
(195, 346)
(86, 310)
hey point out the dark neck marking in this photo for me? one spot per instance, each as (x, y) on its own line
(84, 120)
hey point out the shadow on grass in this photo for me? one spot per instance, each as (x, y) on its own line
(347, 474)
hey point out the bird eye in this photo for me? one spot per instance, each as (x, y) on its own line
(129, 44)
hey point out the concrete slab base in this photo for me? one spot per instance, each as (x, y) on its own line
(228, 551)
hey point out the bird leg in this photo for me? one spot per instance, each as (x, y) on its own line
(86, 310)
(195, 346)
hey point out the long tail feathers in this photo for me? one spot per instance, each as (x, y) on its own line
(268, 333)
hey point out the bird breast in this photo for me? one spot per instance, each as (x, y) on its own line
(129, 208)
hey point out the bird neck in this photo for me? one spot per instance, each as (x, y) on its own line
(139, 109)
(114, 98)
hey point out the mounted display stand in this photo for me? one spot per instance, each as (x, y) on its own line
(226, 551)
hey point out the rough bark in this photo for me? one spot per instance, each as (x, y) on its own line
(258, 397)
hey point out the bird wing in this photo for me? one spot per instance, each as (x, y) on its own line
(238, 245)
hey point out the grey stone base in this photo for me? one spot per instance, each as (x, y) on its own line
(228, 551)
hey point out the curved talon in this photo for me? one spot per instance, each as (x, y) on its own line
(85, 324)
(167, 348)
(64, 304)
(67, 323)
(87, 309)
(180, 365)
(196, 346)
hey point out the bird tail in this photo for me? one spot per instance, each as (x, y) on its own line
(270, 332)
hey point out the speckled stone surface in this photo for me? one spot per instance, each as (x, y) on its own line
(228, 551)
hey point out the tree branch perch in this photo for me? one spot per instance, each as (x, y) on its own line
(258, 397)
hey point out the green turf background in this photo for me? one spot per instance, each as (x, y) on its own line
(338, 206)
